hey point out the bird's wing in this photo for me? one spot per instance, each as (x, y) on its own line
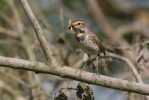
(97, 41)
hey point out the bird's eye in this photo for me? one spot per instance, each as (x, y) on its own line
(78, 23)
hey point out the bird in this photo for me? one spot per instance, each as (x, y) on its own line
(87, 41)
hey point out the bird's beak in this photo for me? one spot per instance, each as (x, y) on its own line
(70, 27)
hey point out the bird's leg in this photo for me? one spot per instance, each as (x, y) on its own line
(97, 58)
(89, 57)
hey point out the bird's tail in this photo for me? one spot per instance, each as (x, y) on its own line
(107, 49)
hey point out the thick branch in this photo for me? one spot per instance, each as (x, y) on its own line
(67, 72)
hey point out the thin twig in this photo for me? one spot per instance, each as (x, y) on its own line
(9, 32)
(11, 42)
(133, 46)
(16, 79)
(7, 19)
(126, 60)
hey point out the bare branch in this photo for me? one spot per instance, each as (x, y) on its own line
(7, 18)
(68, 72)
(129, 63)
(9, 32)
(44, 44)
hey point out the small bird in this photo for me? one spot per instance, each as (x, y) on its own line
(87, 41)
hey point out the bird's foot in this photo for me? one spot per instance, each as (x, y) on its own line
(96, 74)
(80, 71)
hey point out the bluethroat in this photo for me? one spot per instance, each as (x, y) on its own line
(87, 41)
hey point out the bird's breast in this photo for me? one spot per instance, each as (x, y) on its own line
(80, 37)
(88, 46)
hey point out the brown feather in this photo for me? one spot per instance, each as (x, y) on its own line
(96, 40)
(102, 48)
(107, 49)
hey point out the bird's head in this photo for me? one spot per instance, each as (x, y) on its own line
(77, 26)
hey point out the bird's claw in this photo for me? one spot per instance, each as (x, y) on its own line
(96, 74)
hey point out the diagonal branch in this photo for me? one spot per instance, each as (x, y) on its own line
(44, 44)
(68, 72)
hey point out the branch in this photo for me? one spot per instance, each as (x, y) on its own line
(44, 44)
(9, 32)
(128, 62)
(68, 72)
(64, 71)
(7, 19)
